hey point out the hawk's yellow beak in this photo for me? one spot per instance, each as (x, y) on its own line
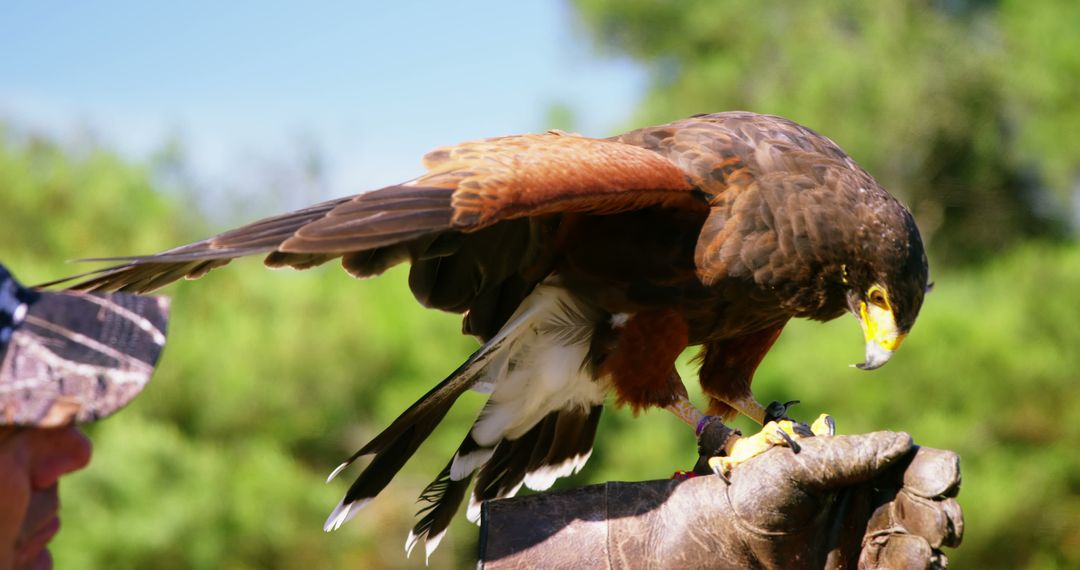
(882, 336)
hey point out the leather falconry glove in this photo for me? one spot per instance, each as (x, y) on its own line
(872, 501)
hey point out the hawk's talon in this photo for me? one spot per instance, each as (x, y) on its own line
(795, 447)
(824, 425)
(718, 466)
(784, 432)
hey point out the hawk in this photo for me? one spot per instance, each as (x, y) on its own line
(585, 266)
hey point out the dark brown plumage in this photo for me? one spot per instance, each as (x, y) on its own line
(714, 230)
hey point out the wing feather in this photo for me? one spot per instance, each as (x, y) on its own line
(468, 187)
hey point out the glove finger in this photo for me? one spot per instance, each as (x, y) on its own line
(896, 551)
(956, 523)
(941, 523)
(933, 473)
(932, 520)
(832, 462)
(882, 520)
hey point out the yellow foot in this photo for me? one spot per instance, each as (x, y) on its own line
(823, 425)
(782, 432)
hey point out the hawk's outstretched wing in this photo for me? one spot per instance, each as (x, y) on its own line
(468, 187)
(463, 225)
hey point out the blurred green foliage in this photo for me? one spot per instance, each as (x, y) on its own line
(270, 379)
(965, 109)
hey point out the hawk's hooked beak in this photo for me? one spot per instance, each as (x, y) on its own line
(882, 336)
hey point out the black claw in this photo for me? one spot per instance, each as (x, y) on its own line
(776, 411)
(802, 429)
(722, 476)
(795, 447)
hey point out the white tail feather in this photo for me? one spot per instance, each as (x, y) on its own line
(337, 471)
(465, 465)
(343, 513)
(542, 364)
(430, 544)
(535, 365)
(543, 478)
(410, 543)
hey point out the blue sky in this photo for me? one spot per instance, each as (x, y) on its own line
(373, 85)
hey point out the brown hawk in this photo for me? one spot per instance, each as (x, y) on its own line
(586, 266)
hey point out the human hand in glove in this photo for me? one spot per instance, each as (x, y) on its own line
(873, 500)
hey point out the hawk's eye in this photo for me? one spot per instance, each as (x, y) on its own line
(877, 297)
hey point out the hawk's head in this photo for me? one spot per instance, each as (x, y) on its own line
(886, 281)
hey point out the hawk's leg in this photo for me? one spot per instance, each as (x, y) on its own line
(712, 434)
(684, 409)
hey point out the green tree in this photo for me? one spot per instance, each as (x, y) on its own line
(960, 108)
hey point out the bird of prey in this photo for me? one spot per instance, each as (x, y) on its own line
(585, 266)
